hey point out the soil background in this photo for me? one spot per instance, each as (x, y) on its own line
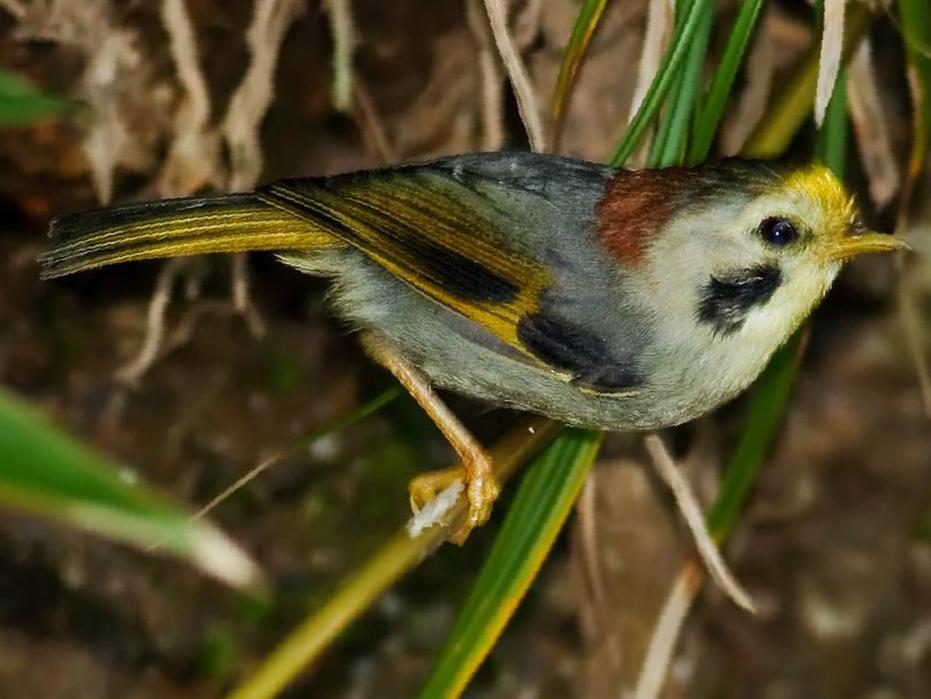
(835, 546)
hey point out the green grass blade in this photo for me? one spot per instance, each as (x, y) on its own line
(21, 104)
(45, 472)
(358, 591)
(663, 82)
(669, 145)
(832, 138)
(541, 506)
(585, 25)
(709, 116)
(770, 397)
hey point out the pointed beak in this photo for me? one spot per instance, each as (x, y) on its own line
(854, 245)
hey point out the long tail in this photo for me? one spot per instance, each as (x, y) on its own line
(175, 227)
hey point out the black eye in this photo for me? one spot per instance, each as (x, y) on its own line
(777, 231)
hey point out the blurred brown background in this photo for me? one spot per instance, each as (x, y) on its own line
(835, 547)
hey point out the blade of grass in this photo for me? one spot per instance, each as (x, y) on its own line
(340, 423)
(786, 115)
(670, 142)
(400, 554)
(47, 473)
(764, 415)
(585, 25)
(712, 109)
(21, 104)
(543, 502)
(662, 83)
(832, 138)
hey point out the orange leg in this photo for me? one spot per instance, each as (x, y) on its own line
(476, 473)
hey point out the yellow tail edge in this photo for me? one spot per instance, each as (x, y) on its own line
(175, 228)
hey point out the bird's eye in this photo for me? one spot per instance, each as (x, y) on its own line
(778, 231)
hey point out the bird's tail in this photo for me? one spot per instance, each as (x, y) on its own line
(175, 227)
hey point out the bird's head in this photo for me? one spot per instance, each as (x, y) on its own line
(747, 249)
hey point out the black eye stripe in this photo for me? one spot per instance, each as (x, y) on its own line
(724, 302)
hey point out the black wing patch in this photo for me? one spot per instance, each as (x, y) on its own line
(724, 303)
(567, 346)
(465, 278)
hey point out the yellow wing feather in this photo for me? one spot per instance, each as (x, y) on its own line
(417, 229)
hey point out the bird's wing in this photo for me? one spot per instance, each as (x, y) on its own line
(465, 231)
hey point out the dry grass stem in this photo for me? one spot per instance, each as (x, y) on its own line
(344, 43)
(527, 103)
(372, 125)
(241, 482)
(587, 527)
(666, 632)
(871, 126)
(659, 22)
(832, 45)
(193, 155)
(14, 7)
(240, 283)
(116, 83)
(183, 332)
(491, 84)
(132, 372)
(695, 520)
(247, 107)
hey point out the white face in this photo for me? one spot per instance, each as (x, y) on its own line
(727, 285)
(711, 250)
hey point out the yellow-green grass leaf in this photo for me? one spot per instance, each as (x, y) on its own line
(794, 105)
(21, 104)
(669, 145)
(540, 508)
(364, 585)
(585, 25)
(709, 116)
(832, 137)
(764, 415)
(663, 82)
(45, 472)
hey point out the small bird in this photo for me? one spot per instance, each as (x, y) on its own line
(617, 299)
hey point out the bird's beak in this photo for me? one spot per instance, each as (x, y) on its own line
(854, 245)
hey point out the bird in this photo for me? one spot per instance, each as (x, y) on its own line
(596, 296)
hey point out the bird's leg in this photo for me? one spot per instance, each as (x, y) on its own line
(475, 473)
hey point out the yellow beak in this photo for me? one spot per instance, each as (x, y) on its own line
(854, 245)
